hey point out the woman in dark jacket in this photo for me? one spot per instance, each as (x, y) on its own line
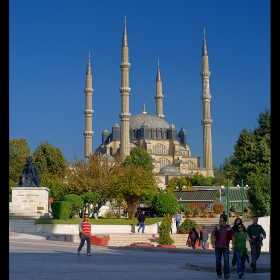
(193, 236)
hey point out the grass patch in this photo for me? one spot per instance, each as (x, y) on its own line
(100, 221)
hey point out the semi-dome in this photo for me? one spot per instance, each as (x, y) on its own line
(169, 169)
(151, 121)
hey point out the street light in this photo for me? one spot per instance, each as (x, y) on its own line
(227, 194)
(180, 189)
(242, 195)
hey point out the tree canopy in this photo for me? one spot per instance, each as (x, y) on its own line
(133, 183)
(251, 162)
(139, 158)
(18, 152)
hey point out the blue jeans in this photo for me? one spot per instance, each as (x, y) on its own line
(219, 252)
(177, 224)
(240, 262)
(83, 239)
(141, 225)
(255, 252)
(204, 244)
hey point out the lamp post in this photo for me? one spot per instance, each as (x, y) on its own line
(228, 196)
(242, 195)
(180, 189)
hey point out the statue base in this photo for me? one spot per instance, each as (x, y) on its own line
(29, 200)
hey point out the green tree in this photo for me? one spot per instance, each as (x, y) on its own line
(259, 193)
(18, 152)
(50, 160)
(89, 199)
(93, 175)
(76, 202)
(57, 188)
(165, 203)
(139, 158)
(251, 162)
(164, 232)
(133, 183)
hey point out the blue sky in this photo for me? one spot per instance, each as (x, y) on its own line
(49, 43)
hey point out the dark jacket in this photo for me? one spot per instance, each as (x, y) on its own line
(141, 218)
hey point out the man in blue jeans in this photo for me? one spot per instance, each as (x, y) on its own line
(220, 239)
(141, 221)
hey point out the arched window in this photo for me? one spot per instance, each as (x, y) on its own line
(190, 163)
(159, 149)
(164, 162)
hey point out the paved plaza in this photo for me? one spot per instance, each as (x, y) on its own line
(33, 257)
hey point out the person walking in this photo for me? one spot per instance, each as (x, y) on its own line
(85, 233)
(177, 219)
(141, 221)
(203, 237)
(220, 239)
(237, 221)
(255, 231)
(240, 249)
(95, 211)
(193, 236)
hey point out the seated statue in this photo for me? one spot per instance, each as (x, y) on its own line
(30, 175)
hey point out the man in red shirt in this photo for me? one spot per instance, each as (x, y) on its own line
(84, 232)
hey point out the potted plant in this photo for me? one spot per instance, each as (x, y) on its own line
(164, 239)
(187, 225)
(99, 239)
(217, 209)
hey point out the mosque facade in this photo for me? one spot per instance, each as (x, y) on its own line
(168, 148)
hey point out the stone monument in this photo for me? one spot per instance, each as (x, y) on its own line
(28, 197)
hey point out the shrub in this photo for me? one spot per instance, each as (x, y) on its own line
(187, 225)
(61, 210)
(164, 203)
(76, 202)
(218, 208)
(110, 214)
(164, 232)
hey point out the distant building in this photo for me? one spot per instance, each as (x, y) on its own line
(170, 152)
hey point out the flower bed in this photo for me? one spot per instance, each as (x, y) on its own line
(142, 244)
(101, 239)
(166, 246)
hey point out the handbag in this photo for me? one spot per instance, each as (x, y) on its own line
(137, 224)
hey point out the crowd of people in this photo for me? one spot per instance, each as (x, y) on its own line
(220, 238)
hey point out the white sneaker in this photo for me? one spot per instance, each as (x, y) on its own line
(78, 252)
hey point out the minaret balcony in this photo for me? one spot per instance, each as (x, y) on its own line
(205, 73)
(124, 115)
(88, 133)
(88, 112)
(125, 65)
(207, 121)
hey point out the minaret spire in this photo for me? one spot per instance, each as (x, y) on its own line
(88, 133)
(206, 121)
(125, 90)
(159, 97)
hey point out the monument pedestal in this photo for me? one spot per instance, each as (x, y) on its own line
(29, 200)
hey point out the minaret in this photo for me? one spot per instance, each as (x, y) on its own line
(88, 133)
(124, 90)
(159, 96)
(206, 121)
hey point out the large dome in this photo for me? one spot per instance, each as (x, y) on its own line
(151, 121)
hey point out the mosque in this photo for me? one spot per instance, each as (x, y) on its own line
(170, 152)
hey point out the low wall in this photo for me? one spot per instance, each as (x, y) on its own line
(95, 229)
